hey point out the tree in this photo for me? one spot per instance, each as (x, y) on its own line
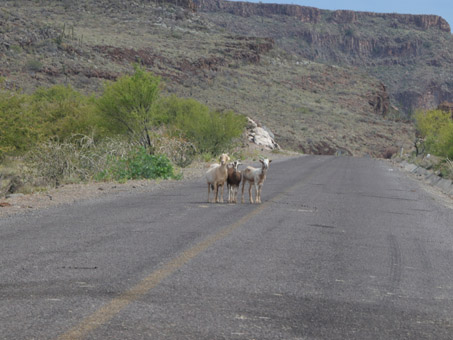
(436, 128)
(211, 131)
(18, 130)
(128, 105)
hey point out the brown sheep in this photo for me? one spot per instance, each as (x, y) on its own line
(233, 181)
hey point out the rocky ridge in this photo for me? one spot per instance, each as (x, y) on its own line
(314, 15)
(310, 106)
(411, 54)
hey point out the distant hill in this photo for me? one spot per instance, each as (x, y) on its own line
(325, 82)
(411, 54)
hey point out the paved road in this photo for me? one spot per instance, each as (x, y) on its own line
(341, 248)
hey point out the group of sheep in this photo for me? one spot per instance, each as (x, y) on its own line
(218, 174)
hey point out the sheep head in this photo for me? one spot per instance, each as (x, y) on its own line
(265, 163)
(224, 158)
(235, 165)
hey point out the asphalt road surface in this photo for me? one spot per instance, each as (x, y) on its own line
(340, 248)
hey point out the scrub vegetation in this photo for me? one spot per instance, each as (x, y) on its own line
(130, 131)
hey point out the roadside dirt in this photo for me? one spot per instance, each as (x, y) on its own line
(70, 193)
(435, 192)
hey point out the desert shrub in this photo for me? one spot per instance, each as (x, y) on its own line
(18, 131)
(56, 113)
(210, 131)
(127, 105)
(180, 151)
(436, 128)
(77, 159)
(133, 106)
(139, 164)
(62, 112)
(214, 132)
(34, 65)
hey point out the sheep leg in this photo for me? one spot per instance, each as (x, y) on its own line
(209, 191)
(229, 187)
(221, 195)
(250, 193)
(257, 194)
(242, 199)
(216, 192)
(258, 200)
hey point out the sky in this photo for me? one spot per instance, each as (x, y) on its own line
(444, 8)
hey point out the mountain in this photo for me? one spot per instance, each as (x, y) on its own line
(324, 82)
(411, 54)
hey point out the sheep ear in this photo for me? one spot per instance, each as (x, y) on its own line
(261, 161)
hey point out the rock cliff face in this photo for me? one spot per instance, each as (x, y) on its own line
(447, 107)
(421, 21)
(247, 9)
(411, 54)
(313, 15)
(380, 101)
(189, 4)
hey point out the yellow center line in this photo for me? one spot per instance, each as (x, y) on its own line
(108, 311)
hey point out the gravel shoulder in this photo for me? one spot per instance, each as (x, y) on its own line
(435, 192)
(70, 193)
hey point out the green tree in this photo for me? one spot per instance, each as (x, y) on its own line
(62, 112)
(17, 125)
(211, 131)
(436, 128)
(128, 105)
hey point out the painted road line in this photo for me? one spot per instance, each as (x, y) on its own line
(111, 309)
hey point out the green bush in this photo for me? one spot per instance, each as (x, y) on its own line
(46, 122)
(34, 65)
(436, 128)
(18, 126)
(210, 131)
(138, 165)
(56, 113)
(63, 112)
(127, 105)
(132, 105)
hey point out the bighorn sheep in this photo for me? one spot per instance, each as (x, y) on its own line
(256, 177)
(233, 181)
(216, 177)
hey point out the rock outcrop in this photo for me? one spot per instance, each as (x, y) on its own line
(260, 135)
(380, 101)
(447, 107)
(415, 47)
(313, 15)
(247, 9)
(421, 21)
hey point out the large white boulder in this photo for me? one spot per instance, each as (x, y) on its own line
(260, 135)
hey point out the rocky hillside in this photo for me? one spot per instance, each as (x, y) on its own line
(272, 63)
(411, 54)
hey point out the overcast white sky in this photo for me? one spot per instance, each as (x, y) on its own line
(444, 8)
